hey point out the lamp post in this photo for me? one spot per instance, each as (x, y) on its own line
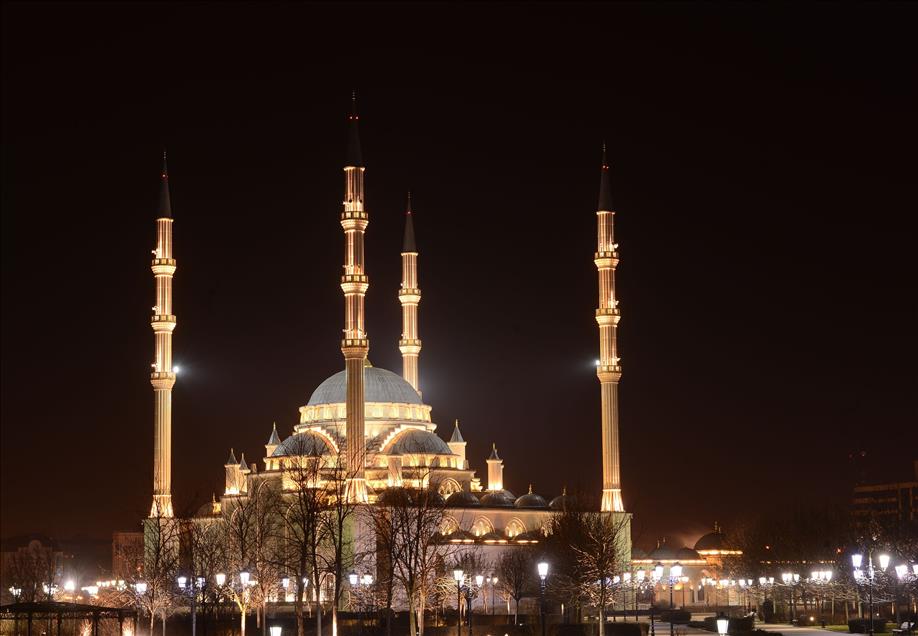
(458, 575)
(868, 577)
(790, 579)
(543, 574)
(655, 575)
(192, 592)
(675, 573)
(492, 581)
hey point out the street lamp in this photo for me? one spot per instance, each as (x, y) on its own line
(244, 577)
(868, 577)
(790, 580)
(675, 572)
(722, 625)
(192, 592)
(655, 575)
(220, 577)
(543, 574)
(458, 575)
(275, 630)
(352, 578)
(492, 580)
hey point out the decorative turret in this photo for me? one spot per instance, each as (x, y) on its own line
(162, 376)
(457, 444)
(409, 295)
(609, 371)
(495, 470)
(232, 475)
(273, 441)
(354, 283)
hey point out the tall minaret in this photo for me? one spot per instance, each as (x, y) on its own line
(609, 370)
(354, 284)
(163, 377)
(409, 296)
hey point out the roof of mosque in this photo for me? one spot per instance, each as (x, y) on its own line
(306, 443)
(498, 499)
(531, 500)
(415, 441)
(462, 499)
(379, 385)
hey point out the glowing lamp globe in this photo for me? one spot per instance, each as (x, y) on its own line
(856, 560)
(884, 561)
(722, 625)
(543, 569)
(457, 575)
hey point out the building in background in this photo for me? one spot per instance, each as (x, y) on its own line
(894, 505)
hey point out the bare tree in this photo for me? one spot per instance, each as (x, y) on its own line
(34, 571)
(161, 558)
(305, 499)
(337, 529)
(515, 569)
(590, 549)
(250, 532)
(407, 525)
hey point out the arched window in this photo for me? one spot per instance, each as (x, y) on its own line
(481, 527)
(514, 528)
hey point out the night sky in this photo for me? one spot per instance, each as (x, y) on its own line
(764, 168)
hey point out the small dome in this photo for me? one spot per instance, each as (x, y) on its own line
(498, 499)
(664, 552)
(531, 500)
(379, 385)
(463, 499)
(414, 441)
(561, 502)
(687, 554)
(303, 444)
(711, 541)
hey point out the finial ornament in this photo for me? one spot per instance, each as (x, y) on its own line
(408, 210)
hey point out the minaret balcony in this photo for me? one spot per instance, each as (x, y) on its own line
(605, 259)
(409, 346)
(355, 347)
(408, 296)
(608, 315)
(609, 372)
(163, 266)
(162, 380)
(354, 220)
(355, 283)
(162, 322)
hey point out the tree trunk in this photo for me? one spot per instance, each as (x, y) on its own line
(516, 612)
(298, 608)
(242, 622)
(602, 620)
(412, 618)
(422, 605)
(335, 619)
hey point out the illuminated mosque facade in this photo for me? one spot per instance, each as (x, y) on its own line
(398, 444)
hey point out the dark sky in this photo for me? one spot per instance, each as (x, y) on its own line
(764, 172)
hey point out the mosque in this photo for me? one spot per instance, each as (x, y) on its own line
(372, 424)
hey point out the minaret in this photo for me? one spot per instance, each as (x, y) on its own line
(409, 296)
(273, 441)
(354, 284)
(609, 370)
(163, 377)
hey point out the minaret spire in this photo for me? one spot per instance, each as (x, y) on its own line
(163, 376)
(609, 371)
(354, 283)
(409, 295)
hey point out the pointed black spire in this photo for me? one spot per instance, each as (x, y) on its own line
(408, 244)
(165, 201)
(605, 184)
(354, 156)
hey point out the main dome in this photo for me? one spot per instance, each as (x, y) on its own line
(379, 386)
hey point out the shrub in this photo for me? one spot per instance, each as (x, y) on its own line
(679, 617)
(859, 625)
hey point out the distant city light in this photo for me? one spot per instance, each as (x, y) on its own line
(175, 369)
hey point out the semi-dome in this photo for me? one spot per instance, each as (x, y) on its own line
(416, 442)
(380, 385)
(498, 499)
(306, 443)
(463, 499)
(712, 540)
